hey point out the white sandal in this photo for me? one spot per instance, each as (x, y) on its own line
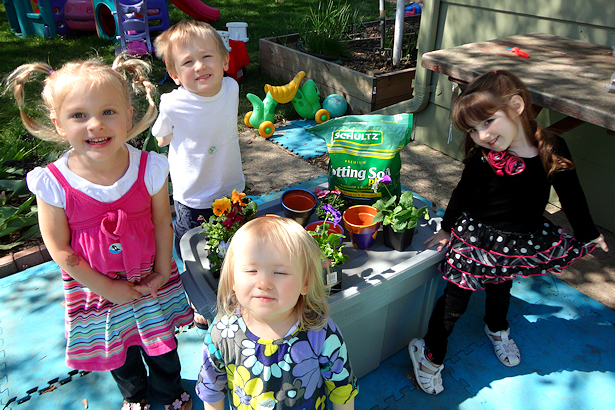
(505, 349)
(429, 383)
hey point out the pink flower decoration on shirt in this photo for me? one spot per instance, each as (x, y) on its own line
(504, 162)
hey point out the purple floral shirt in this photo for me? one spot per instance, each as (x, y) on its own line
(296, 372)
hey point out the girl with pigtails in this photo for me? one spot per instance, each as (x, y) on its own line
(104, 216)
(494, 225)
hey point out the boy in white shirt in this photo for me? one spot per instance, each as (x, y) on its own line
(198, 121)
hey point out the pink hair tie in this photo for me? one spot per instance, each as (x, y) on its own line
(50, 72)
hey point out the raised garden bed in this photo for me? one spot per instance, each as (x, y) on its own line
(364, 92)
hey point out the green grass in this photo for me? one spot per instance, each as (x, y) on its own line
(265, 18)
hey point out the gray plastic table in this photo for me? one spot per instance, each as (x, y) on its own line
(386, 299)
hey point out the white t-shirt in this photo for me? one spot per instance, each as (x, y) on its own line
(44, 185)
(204, 156)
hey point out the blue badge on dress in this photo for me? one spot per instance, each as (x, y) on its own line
(213, 149)
(115, 248)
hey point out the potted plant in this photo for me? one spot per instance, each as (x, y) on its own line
(330, 242)
(398, 217)
(229, 215)
(333, 198)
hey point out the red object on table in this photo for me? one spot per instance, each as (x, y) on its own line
(519, 52)
(238, 59)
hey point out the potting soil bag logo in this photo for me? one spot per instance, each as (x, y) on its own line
(362, 149)
(360, 137)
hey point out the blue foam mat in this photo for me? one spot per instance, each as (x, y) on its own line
(297, 140)
(565, 338)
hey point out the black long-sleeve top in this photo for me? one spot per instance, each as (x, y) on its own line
(516, 203)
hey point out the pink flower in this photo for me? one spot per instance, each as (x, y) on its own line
(320, 193)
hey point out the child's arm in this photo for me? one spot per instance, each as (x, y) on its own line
(56, 235)
(163, 236)
(164, 141)
(214, 406)
(347, 406)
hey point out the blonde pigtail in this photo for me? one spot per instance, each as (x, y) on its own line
(15, 83)
(139, 70)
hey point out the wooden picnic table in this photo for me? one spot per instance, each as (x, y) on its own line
(564, 75)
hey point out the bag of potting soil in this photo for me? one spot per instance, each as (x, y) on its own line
(363, 148)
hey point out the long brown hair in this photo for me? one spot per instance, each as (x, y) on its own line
(493, 91)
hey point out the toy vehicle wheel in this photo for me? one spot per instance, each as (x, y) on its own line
(246, 119)
(266, 129)
(322, 115)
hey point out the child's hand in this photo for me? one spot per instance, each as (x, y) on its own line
(441, 238)
(151, 284)
(122, 292)
(601, 243)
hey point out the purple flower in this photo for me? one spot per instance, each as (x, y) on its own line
(386, 180)
(334, 213)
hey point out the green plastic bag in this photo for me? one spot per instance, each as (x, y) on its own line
(363, 148)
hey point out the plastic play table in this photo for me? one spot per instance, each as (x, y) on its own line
(386, 299)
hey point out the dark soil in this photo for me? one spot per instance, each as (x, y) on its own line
(365, 54)
(320, 162)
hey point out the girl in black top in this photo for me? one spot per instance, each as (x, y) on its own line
(494, 224)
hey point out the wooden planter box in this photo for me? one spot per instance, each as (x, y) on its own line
(364, 93)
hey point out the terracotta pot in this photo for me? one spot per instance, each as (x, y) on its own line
(397, 240)
(358, 222)
(299, 204)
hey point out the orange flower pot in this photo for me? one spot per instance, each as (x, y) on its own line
(358, 221)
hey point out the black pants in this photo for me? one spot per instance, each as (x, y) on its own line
(453, 303)
(164, 376)
(187, 218)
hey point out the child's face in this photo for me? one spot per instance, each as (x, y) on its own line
(267, 284)
(94, 120)
(498, 132)
(200, 67)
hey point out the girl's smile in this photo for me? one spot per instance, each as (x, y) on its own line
(498, 133)
(95, 120)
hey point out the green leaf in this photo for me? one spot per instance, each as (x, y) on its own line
(17, 186)
(391, 201)
(378, 218)
(26, 205)
(406, 200)
(8, 246)
(150, 143)
(399, 226)
(8, 212)
(30, 233)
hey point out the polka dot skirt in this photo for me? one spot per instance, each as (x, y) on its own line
(479, 254)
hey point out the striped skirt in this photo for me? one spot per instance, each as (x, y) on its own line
(99, 332)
